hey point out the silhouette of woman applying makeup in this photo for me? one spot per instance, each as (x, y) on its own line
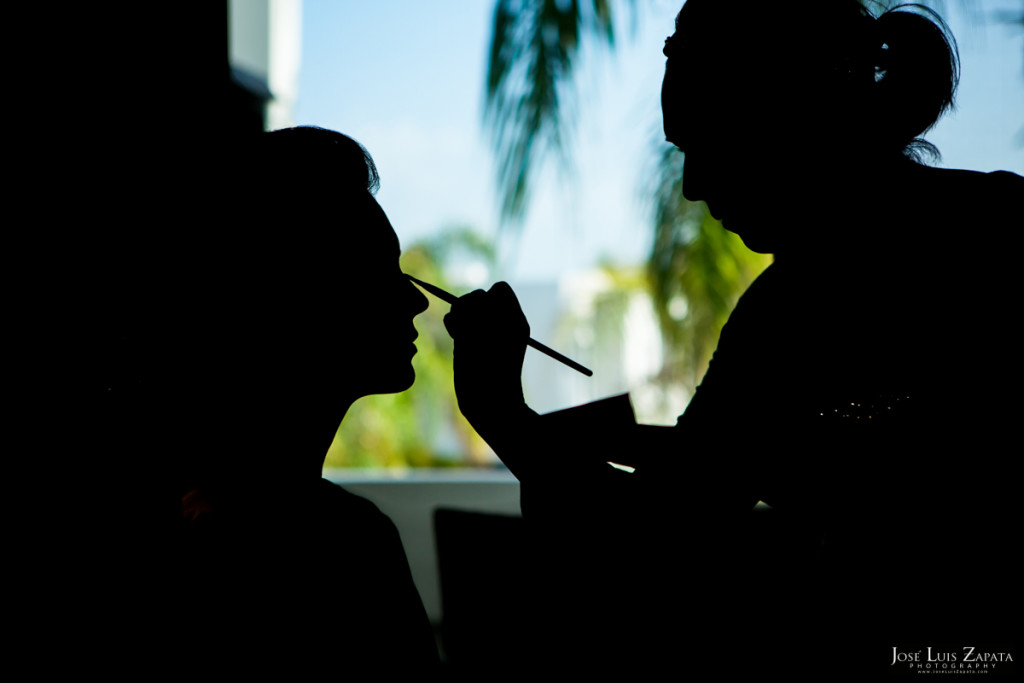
(859, 387)
(300, 309)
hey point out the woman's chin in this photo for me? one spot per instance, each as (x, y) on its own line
(398, 381)
(395, 380)
(758, 245)
(755, 240)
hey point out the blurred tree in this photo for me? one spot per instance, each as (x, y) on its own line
(421, 427)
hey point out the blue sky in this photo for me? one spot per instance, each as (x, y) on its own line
(405, 78)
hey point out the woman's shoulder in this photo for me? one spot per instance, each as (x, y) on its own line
(1004, 190)
(995, 189)
(1008, 178)
(968, 176)
(936, 209)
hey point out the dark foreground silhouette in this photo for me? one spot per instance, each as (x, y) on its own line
(863, 388)
(297, 307)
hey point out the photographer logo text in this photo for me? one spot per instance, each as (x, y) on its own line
(965, 660)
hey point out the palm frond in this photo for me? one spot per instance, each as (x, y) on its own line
(534, 50)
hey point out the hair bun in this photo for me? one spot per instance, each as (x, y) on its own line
(917, 71)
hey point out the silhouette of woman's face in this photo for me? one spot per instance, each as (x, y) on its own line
(307, 307)
(344, 328)
(718, 169)
(747, 129)
(377, 335)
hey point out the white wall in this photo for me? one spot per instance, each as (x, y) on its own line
(410, 500)
(266, 41)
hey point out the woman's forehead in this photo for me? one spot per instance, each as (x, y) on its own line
(380, 228)
(376, 239)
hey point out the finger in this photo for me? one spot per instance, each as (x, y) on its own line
(476, 297)
(466, 307)
(451, 323)
(505, 300)
(503, 292)
(467, 304)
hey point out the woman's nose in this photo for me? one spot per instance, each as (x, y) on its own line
(417, 300)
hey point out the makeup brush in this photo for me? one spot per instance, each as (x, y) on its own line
(451, 298)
